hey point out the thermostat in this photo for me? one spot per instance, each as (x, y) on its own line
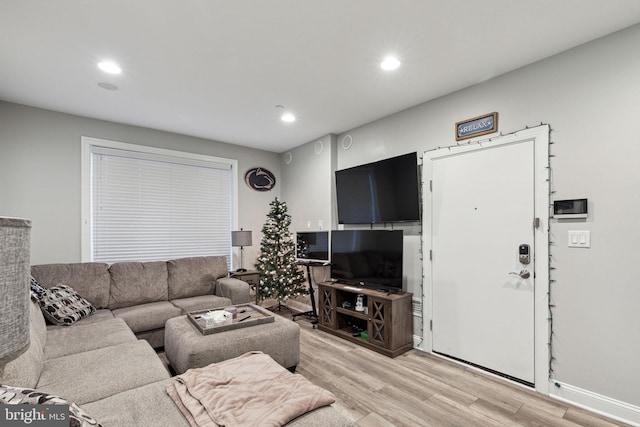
(574, 208)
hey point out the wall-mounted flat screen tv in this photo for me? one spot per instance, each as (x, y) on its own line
(312, 246)
(379, 192)
(367, 258)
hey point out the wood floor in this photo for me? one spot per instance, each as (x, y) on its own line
(418, 389)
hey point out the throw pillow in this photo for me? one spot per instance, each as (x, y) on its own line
(38, 292)
(17, 395)
(62, 305)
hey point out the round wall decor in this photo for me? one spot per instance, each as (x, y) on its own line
(260, 179)
(346, 142)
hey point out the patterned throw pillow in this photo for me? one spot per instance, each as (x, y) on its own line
(62, 305)
(17, 395)
(37, 291)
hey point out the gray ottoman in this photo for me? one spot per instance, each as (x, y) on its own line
(187, 348)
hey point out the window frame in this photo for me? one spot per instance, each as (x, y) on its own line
(87, 144)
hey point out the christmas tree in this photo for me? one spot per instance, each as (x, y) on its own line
(280, 277)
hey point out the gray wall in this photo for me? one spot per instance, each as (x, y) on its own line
(590, 97)
(308, 188)
(40, 175)
(307, 184)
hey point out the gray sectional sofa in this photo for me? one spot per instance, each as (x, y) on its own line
(100, 362)
(147, 294)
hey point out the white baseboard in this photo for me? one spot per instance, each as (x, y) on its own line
(594, 402)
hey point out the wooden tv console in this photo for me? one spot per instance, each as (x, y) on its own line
(387, 322)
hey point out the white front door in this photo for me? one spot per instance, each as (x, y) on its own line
(480, 206)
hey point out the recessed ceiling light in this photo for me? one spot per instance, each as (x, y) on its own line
(109, 67)
(390, 63)
(288, 117)
(285, 117)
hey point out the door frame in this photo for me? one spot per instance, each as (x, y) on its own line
(540, 137)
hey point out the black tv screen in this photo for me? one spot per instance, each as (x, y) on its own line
(379, 192)
(367, 258)
(312, 246)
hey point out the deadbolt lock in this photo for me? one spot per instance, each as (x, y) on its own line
(523, 252)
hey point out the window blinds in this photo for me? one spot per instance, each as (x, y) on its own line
(153, 207)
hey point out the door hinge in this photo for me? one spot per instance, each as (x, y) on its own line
(431, 186)
(536, 222)
(431, 325)
(430, 255)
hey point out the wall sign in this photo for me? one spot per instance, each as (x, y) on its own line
(260, 179)
(477, 126)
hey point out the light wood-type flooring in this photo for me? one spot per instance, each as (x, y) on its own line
(418, 389)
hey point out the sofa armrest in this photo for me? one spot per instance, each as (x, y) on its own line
(234, 289)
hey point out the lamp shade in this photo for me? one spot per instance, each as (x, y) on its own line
(14, 287)
(241, 238)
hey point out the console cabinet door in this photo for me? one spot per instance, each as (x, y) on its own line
(327, 303)
(379, 318)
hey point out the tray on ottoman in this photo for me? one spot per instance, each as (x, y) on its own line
(246, 315)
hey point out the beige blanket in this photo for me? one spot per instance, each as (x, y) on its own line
(250, 390)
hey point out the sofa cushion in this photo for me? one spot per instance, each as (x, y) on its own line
(191, 277)
(137, 283)
(325, 416)
(237, 290)
(132, 408)
(27, 396)
(62, 305)
(89, 279)
(37, 321)
(96, 374)
(148, 405)
(87, 337)
(145, 317)
(98, 316)
(24, 371)
(203, 302)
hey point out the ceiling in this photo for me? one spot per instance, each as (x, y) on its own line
(216, 69)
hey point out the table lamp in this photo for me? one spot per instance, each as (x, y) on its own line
(241, 238)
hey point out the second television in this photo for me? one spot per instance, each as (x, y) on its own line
(312, 246)
(367, 258)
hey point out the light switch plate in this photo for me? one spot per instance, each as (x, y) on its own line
(579, 239)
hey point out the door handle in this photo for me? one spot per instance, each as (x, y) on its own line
(524, 274)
